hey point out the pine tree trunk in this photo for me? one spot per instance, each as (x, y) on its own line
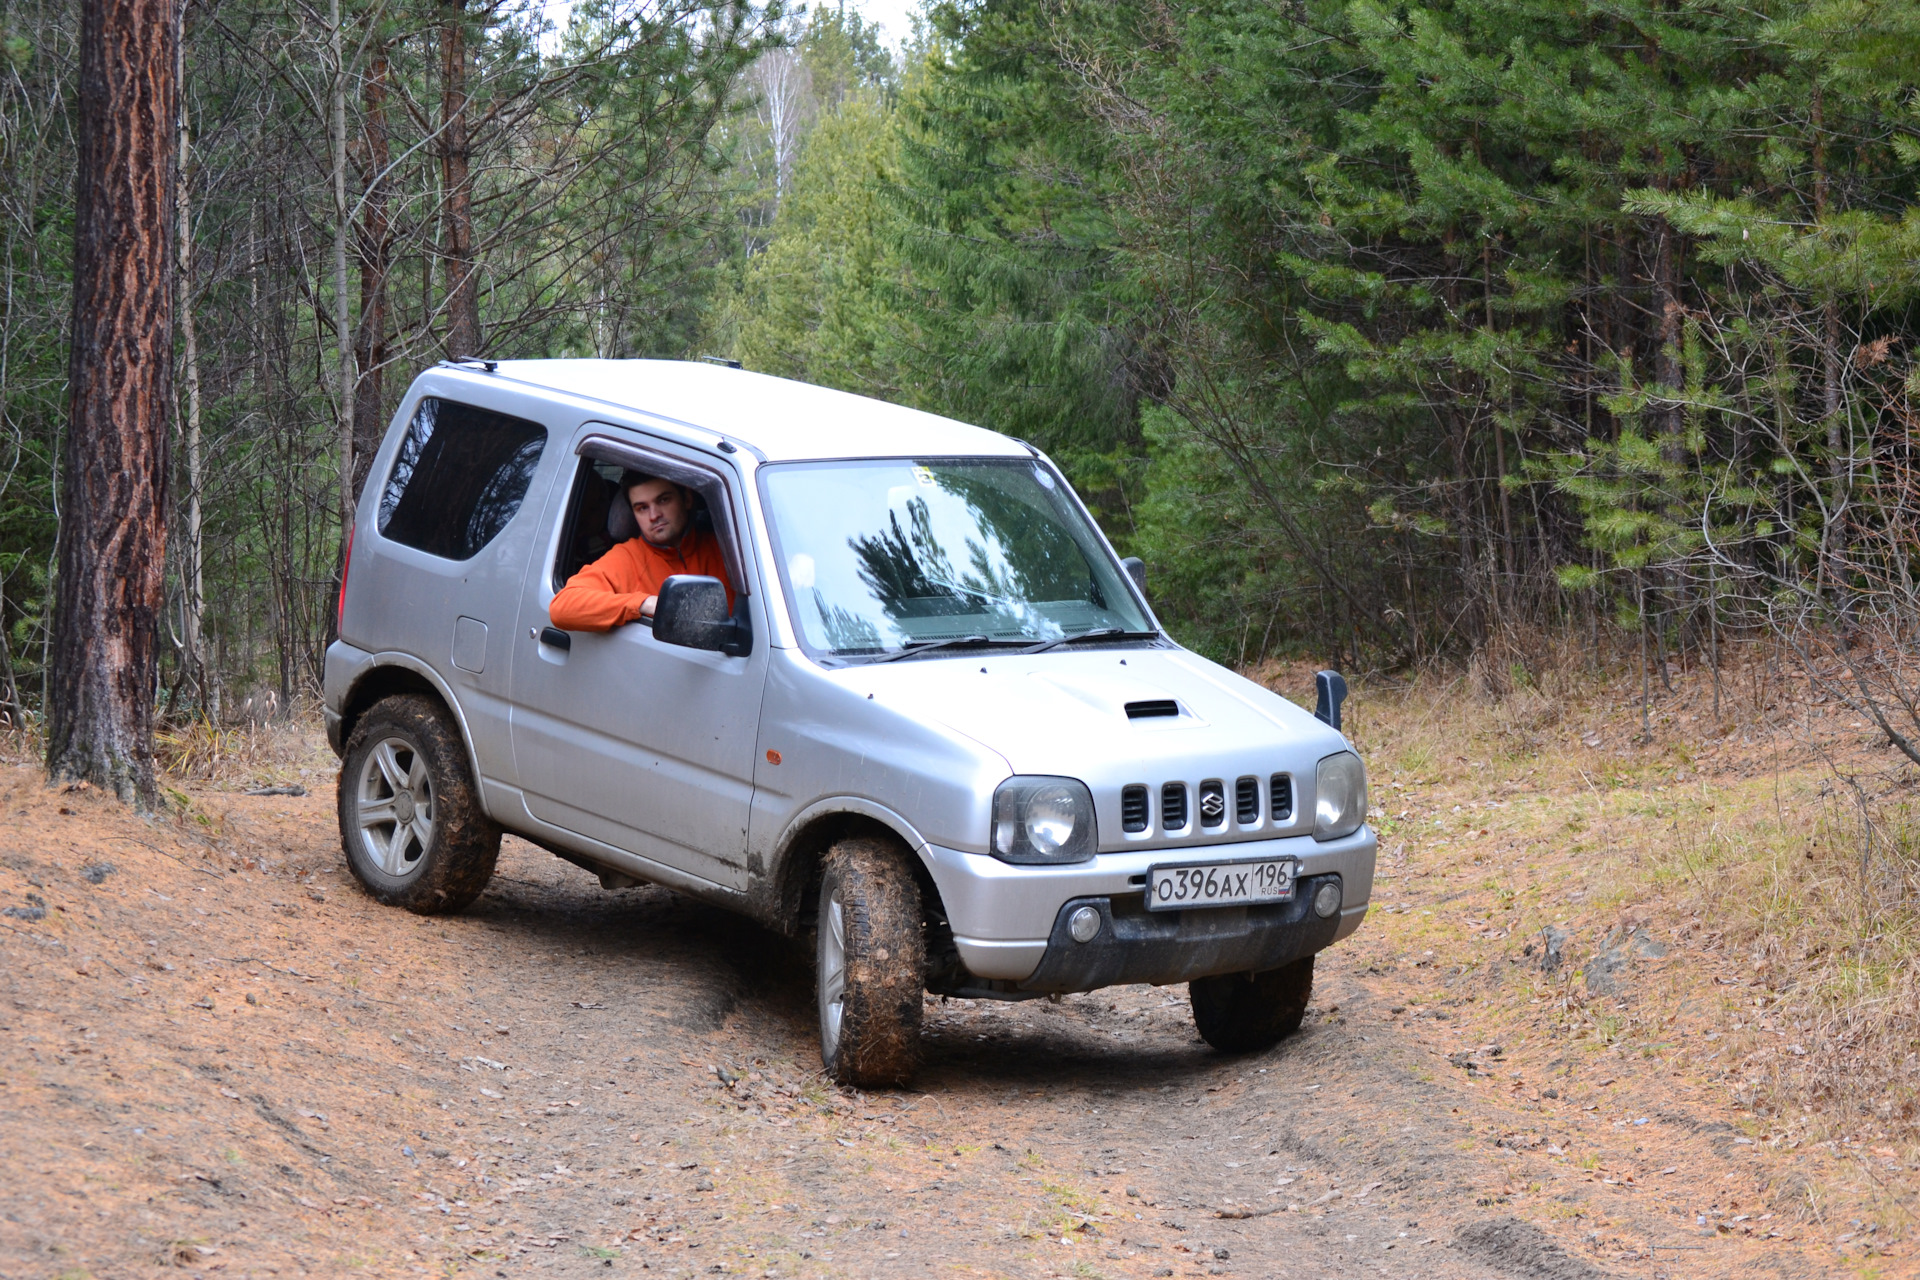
(1507, 594)
(346, 384)
(1666, 308)
(1832, 531)
(375, 251)
(463, 287)
(113, 531)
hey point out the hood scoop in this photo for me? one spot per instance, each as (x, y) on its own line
(1152, 708)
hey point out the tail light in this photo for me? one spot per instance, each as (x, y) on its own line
(340, 605)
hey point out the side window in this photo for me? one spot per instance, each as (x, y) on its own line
(460, 477)
(595, 521)
(588, 538)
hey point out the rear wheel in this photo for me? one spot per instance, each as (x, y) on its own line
(870, 965)
(1242, 1012)
(410, 817)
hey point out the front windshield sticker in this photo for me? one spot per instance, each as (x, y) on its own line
(887, 555)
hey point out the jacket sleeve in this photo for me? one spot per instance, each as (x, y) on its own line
(593, 600)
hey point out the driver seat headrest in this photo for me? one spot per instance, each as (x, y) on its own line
(620, 522)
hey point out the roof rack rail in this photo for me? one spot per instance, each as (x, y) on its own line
(488, 365)
(725, 360)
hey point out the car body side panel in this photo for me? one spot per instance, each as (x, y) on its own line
(402, 599)
(627, 741)
(833, 741)
(346, 666)
(510, 810)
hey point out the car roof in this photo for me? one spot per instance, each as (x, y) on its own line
(783, 419)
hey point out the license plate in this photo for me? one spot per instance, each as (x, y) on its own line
(1220, 884)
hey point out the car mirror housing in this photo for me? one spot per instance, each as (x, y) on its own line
(692, 612)
(1330, 690)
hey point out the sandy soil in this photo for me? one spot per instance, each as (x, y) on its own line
(217, 1057)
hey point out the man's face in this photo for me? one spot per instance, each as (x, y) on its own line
(660, 509)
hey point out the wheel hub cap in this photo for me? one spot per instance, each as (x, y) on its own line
(833, 974)
(394, 796)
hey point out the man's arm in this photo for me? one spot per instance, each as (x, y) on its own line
(599, 597)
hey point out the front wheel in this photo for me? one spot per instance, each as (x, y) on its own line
(410, 816)
(1243, 1012)
(870, 965)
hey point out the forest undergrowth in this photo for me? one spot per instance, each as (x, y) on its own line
(1774, 838)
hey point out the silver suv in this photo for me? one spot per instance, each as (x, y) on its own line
(930, 722)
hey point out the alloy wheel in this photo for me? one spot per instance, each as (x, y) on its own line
(395, 806)
(833, 972)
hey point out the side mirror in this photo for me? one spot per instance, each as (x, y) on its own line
(692, 612)
(1330, 690)
(1137, 570)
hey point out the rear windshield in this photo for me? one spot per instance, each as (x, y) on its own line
(880, 555)
(461, 475)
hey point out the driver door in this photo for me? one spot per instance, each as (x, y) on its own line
(619, 738)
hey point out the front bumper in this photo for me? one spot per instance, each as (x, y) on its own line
(1137, 945)
(1005, 917)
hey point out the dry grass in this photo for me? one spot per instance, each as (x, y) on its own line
(1739, 833)
(273, 752)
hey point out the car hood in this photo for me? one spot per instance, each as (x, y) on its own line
(1069, 712)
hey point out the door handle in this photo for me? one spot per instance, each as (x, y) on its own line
(557, 638)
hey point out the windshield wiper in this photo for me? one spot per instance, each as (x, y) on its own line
(917, 647)
(1098, 633)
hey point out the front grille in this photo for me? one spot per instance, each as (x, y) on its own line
(1213, 803)
(1173, 806)
(1133, 808)
(1246, 801)
(1281, 806)
(1151, 708)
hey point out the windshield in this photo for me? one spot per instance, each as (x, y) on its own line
(884, 555)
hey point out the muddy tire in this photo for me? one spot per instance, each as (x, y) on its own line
(1244, 1012)
(410, 817)
(870, 958)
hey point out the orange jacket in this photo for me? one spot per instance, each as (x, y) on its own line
(610, 591)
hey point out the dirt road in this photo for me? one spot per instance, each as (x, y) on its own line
(219, 1058)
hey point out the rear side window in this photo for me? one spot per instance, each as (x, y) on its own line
(460, 477)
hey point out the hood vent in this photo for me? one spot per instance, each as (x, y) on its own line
(1151, 708)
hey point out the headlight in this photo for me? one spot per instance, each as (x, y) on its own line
(1339, 796)
(1043, 820)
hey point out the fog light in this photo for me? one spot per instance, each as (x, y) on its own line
(1326, 899)
(1084, 924)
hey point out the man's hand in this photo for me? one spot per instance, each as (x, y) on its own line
(646, 606)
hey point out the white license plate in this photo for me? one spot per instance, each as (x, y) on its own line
(1220, 884)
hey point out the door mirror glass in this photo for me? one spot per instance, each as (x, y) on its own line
(692, 612)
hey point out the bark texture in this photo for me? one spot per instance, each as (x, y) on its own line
(456, 160)
(374, 246)
(113, 529)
